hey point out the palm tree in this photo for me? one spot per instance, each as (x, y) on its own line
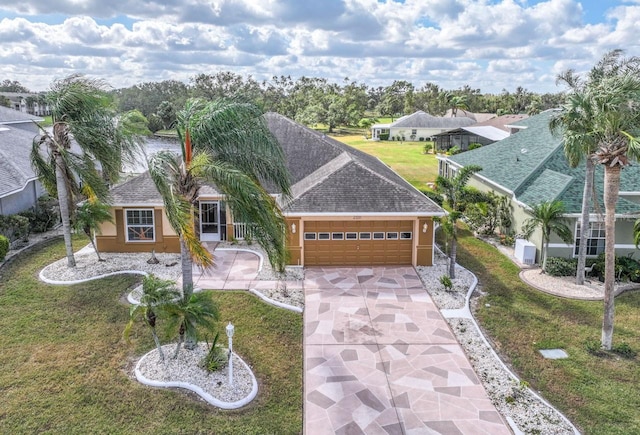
(616, 125)
(226, 144)
(548, 217)
(82, 114)
(189, 313)
(89, 216)
(157, 294)
(575, 122)
(457, 195)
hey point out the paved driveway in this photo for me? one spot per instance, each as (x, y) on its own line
(380, 359)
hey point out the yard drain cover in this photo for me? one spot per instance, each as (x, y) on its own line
(554, 353)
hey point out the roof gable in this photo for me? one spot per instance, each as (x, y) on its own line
(422, 119)
(15, 163)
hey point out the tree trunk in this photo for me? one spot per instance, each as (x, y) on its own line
(611, 189)
(584, 219)
(63, 202)
(452, 256)
(187, 270)
(545, 249)
(156, 339)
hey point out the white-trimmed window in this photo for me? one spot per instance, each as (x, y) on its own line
(324, 236)
(365, 236)
(337, 236)
(406, 235)
(595, 239)
(378, 236)
(140, 225)
(351, 236)
(392, 236)
(309, 236)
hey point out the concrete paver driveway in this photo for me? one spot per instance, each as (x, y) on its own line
(380, 359)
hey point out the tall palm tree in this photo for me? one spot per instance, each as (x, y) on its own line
(548, 217)
(82, 114)
(226, 144)
(616, 124)
(457, 195)
(575, 122)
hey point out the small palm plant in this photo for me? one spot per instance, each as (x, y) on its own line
(89, 216)
(187, 314)
(548, 217)
(157, 294)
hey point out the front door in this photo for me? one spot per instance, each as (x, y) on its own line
(209, 221)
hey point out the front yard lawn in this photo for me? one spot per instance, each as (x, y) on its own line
(598, 393)
(67, 369)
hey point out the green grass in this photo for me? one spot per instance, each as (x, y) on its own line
(598, 393)
(66, 368)
(406, 158)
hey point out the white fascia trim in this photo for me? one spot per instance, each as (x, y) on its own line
(350, 214)
(595, 217)
(13, 192)
(629, 193)
(565, 245)
(138, 205)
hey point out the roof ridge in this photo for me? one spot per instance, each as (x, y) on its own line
(320, 174)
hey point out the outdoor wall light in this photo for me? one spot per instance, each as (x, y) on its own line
(424, 227)
(293, 228)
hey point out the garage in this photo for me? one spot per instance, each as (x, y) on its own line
(358, 243)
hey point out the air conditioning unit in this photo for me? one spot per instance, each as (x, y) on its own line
(525, 251)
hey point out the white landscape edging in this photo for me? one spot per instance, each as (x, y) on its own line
(199, 391)
(93, 278)
(274, 302)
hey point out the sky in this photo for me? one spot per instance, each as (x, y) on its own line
(491, 45)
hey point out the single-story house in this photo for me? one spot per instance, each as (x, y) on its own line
(529, 167)
(484, 133)
(347, 208)
(19, 185)
(418, 126)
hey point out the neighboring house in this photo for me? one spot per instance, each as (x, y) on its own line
(529, 167)
(29, 103)
(347, 208)
(19, 120)
(418, 126)
(19, 185)
(477, 117)
(484, 133)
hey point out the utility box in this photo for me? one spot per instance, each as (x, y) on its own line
(525, 251)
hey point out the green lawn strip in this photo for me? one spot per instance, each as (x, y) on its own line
(598, 393)
(406, 158)
(67, 369)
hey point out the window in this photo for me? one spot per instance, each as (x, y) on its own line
(337, 236)
(378, 236)
(406, 235)
(365, 236)
(309, 236)
(323, 236)
(595, 239)
(392, 236)
(414, 131)
(351, 236)
(140, 227)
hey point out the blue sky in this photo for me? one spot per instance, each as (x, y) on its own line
(487, 44)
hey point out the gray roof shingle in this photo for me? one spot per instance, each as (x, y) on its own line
(15, 163)
(422, 119)
(11, 116)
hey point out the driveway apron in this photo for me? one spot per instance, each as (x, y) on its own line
(380, 359)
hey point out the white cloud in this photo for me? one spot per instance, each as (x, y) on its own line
(490, 44)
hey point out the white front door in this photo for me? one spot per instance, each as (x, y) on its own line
(210, 221)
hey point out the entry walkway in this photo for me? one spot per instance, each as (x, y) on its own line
(380, 359)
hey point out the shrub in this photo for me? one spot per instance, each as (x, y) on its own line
(427, 147)
(626, 268)
(216, 358)
(4, 247)
(507, 240)
(14, 227)
(624, 350)
(433, 196)
(421, 139)
(557, 266)
(474, 145)
(446, 282)
(384, 136)
(454, 150)
(44, 216)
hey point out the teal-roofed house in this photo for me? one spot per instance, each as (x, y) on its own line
(529, 167)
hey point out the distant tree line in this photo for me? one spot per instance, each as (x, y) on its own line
(313, 100)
